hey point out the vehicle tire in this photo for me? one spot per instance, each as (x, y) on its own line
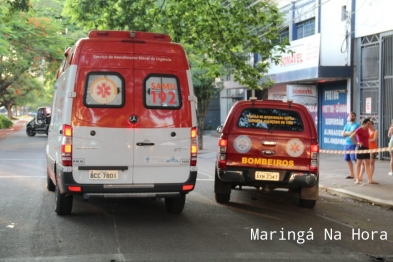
(175, 205)
(307, 203)
(222, 190)
(29, 131)
(63, 204)
(49, 183)
(223, 198)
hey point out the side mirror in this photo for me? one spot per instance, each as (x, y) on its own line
(219, 129)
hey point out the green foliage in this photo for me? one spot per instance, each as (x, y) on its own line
(224, 33)
(5, 122)
(18, 5)
(9, 7)
(31, 45)
(110, 14)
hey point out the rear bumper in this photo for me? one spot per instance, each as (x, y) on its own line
(152, 190)
(291, 178)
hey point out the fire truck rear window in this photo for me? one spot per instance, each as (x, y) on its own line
(270, 118)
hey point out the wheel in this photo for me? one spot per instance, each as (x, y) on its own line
(49, 183)
(222, 190)
(63, 203)
(175, 205)
(307, 203)
(30, 131)
(223, 198)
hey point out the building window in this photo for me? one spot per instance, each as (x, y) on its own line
(305, 28)
(344, 13)
(284, 34)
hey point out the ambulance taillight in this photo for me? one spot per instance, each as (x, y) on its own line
(66, 146)
(194, 146)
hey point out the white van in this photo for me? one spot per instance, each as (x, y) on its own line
(123, 121)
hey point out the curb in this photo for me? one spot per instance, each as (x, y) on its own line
(358, 197)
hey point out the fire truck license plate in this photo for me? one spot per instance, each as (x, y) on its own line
(271, 176)
(103, 174)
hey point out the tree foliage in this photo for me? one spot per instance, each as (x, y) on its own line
(221, 35)
(223, 32)
(31, 46)
(25, 90)
(18, 5)
(205, 88)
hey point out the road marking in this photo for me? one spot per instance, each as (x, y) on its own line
(30, 159)
(205, 179)
(203, 173)
(330, 219)
(22, 176)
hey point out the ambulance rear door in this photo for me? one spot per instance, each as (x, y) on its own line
(162, 114)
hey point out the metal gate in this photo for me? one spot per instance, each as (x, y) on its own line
(386, 90)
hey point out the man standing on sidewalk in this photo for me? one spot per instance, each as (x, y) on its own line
(349, 128)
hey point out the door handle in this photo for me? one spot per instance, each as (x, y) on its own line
(144, 144)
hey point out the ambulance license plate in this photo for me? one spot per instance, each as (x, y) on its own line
(103, 174)
(270, 176)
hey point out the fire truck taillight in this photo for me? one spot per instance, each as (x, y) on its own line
(66, 146)
(194, 146)
(222, 153)
(314, 157)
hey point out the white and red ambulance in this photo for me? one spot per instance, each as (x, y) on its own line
(123, 121)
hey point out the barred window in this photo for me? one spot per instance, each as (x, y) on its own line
(284, 34)
(305, 28)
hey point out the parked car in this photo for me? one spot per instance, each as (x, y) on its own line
(268, 144)
(40, 123)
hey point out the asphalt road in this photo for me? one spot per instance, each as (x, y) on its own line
(254, 226)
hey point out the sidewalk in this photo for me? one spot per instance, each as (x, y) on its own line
(18, 125)
(333, 170)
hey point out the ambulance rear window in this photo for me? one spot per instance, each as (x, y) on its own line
(270, 118)
(104, 90)
(162, 92)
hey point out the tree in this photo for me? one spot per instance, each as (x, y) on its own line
(18, 5)
(205, 87)
(222, 33)
(23, 91)
(225, 32)
(30, 45)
